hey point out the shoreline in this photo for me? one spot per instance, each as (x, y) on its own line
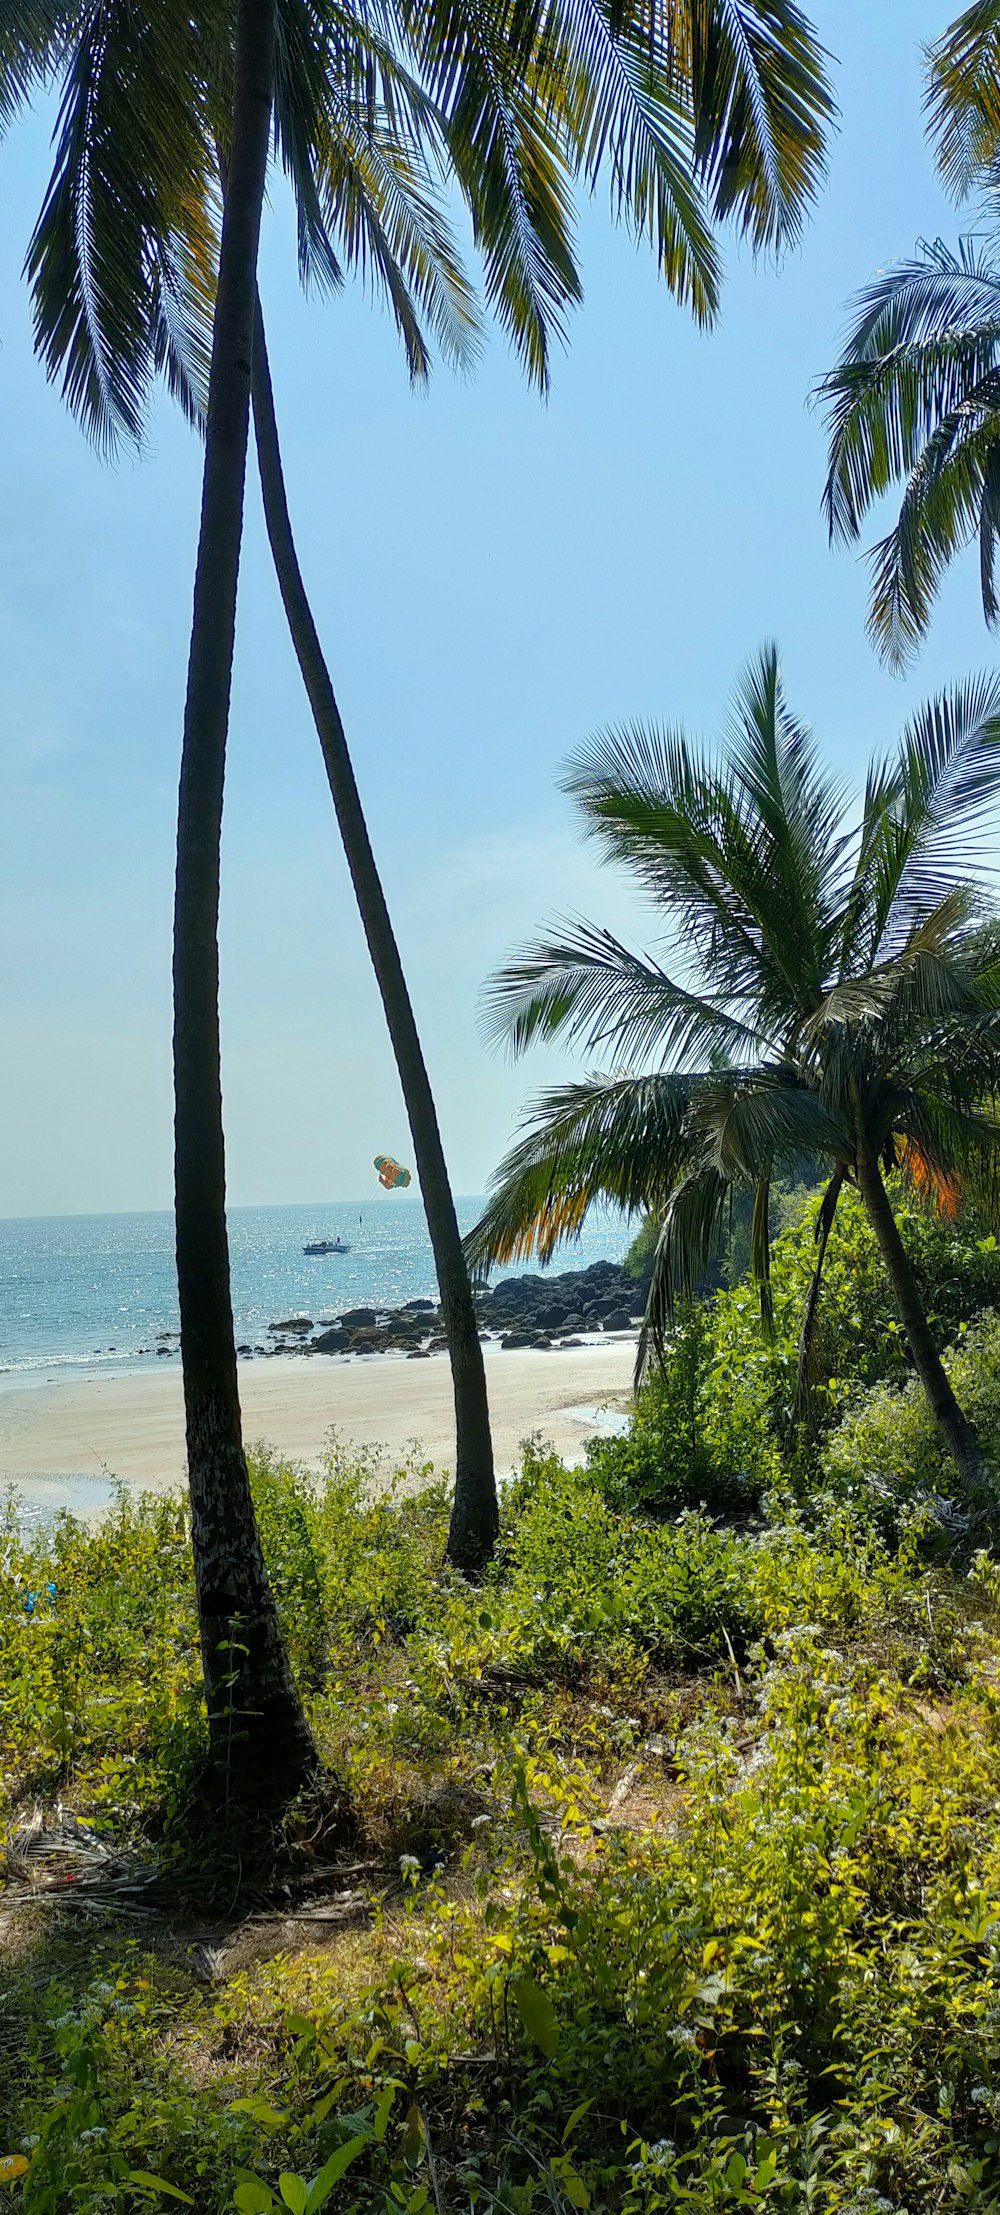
(79, 1436)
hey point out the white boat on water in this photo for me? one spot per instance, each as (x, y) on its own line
(326, 1246)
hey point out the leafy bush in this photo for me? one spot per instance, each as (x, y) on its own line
(726, 1931)
(887, 1449)
(691, 1440)
(714, 1426)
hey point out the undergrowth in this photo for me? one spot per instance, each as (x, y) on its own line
(686, 1865)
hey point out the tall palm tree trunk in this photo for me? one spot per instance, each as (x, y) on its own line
(957, 1433)
(474, 1519)
(258, 1732)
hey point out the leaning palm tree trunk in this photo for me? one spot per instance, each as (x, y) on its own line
(257, 1727)
(474, 1520)
(958, 1434)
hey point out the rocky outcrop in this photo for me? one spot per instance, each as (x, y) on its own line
(536, 1310)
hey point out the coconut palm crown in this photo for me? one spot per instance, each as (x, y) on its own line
(841, 995)
(693, 113)
(914, 400)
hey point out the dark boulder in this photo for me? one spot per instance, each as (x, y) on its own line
(618, 1320)
(361, 1317)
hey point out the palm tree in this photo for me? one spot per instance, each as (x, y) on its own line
(236, 1609)
(915, 396)
(474, 1520)
(718, 108)
(843, 999)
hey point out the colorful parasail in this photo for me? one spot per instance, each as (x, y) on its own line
(391, 1174)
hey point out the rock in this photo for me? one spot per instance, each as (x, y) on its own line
(244, 1349)
(516, 1340)
(362, 1317)
(417, 1307)
(419, 1353)
(167, 1350)
(574, 1323)
(562, 1343)
(333, 1341)
(366, 1342)
(618, 1320)
(293, 1323)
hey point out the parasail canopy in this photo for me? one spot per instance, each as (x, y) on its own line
(391, 1174)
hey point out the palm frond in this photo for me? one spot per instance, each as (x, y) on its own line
(926, 335)
(381, 206)
(963, 96)
(625, 1140)
(941, 514)
(806, 1365)
(508, 160)
(656, 804)
(762, 106)
(757, 1120)
(625, 113)
(689, 1238)
(33, 35)
(185, 276)
(592, 990)
(101, 253)
(930, 815)
(788, 831)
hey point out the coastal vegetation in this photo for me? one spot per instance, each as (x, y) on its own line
(666, 1872)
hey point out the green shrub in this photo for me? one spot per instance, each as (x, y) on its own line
(697, 1437)
(887, 1449)
(714, 1425)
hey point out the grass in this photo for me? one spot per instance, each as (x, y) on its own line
(675, 1884)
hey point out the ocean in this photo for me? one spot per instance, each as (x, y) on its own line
(83, 1294)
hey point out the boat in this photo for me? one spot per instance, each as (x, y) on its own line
(327, 1246)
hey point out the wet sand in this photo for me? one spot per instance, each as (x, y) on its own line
(66, 1443)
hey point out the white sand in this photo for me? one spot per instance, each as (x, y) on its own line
(132, 1427)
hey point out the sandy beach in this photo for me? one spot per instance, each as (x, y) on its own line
(65, 1443)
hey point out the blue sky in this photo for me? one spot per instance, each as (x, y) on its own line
(493, 576)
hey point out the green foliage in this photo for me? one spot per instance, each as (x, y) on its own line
(787, 1200)
(713, 1426)
(887, 1448)
(99, 1661)
(692, 1441)
(700, 1898)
